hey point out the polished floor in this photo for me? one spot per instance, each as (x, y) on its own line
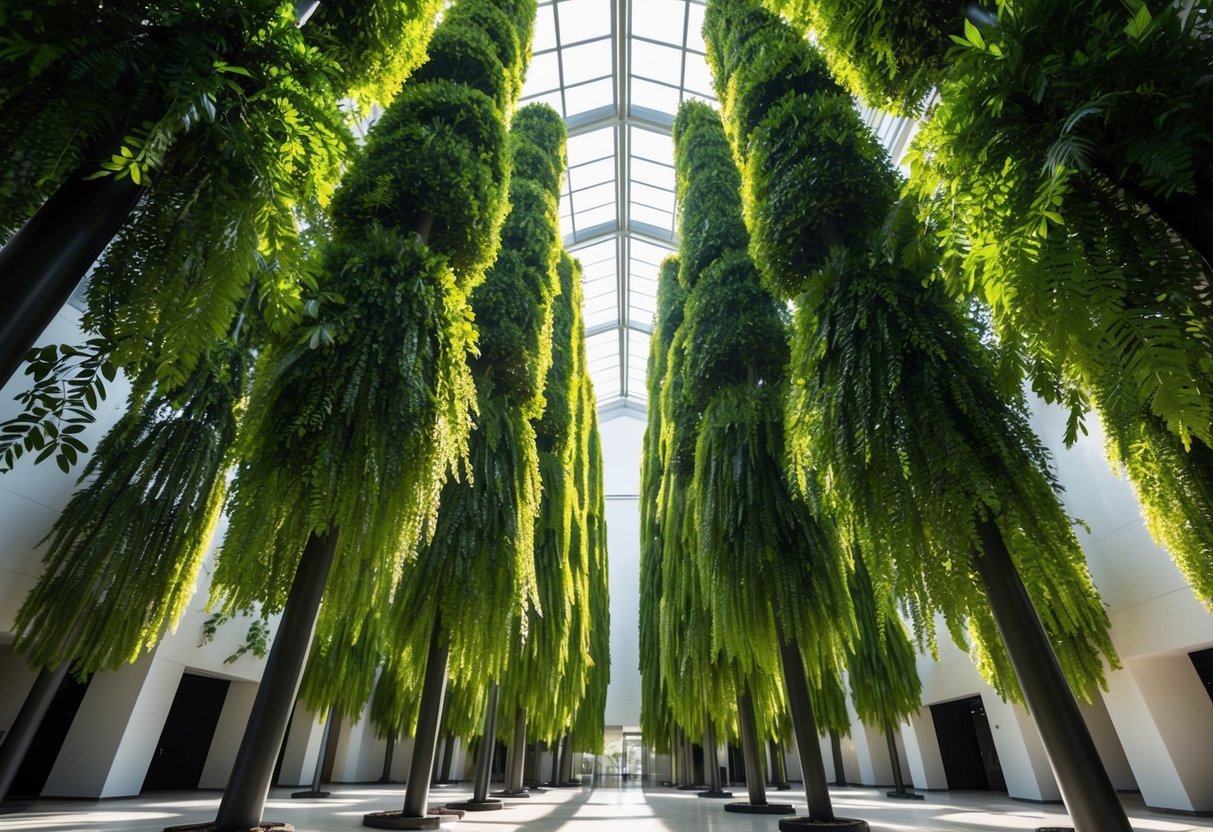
(606, 808)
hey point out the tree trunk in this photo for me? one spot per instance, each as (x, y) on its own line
(387, 760)
(45, 261)
(779, 768)
(429, 717)
(516, 762)
(556, 764)
(484, 766)
(840, 769)
(448, 751)
(566, 760)
(249, 784)
(812, 769)
(19, 737)
(899, 783)
(750, 749)
(1085, 787)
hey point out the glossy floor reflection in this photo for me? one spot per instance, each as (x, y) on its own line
(605, 808)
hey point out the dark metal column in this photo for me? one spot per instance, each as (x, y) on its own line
(1085, 787)
(812, 769)
(249, 784)
(425, 739)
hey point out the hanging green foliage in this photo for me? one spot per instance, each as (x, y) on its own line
(890, 54)
(895, 413)
(1065, 175)
(586, 732)
(358, 427)
(123, 556)
(231, 114)
(769, 569)
(656, 719)
(885, 687)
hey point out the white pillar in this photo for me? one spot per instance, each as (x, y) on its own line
(229, 732)
(923, 760)
(110, 745)
(1162, 715)
(1020, 752)
(302, 747)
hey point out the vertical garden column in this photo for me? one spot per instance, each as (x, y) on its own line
(897, 396)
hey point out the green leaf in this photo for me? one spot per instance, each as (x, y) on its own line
(974, 35)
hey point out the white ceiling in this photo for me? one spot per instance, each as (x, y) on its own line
(618, 95)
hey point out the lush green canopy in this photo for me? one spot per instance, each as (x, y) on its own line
(894, 413)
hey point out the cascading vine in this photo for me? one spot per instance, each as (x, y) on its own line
(895, 412)
(123, 557)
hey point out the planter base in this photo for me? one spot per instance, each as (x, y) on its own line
(310, 793)
(523, 793)
(782, 787)
(712, 794)
(474, 806)
(536, 789)
(764, 809)
(905, 795)
(436, 816)
(698, 788)
(211, 826)
(804, 824)
(1055, 829)
(10, 808)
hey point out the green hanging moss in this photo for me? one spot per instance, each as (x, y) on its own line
(895, 410)
(890, 54)
(656, 718)
(123, 557)
(234, 113)
(885, 687)
(359, 435)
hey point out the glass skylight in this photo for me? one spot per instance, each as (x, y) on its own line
(617, 72)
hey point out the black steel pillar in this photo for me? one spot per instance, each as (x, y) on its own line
(484, 765)
(429, 717)
(566, 760)
(779, 768)
(43, 263)
(1085, 787)
(387, 760)
(29, 719)
(448, 751)
(840, 771)
(249, 784)
(750, 750)
(513, 783)
(812, 769)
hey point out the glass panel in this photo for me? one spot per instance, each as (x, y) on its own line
(654, 61)
(694, 28)
(643, 213)
(596, 216)
(593, 173)
(583, 19)
(657, 147)
(659, 176)
(586, 147)
(654, 96)
(590, 197)
(659, 19)
(552, 99)
(543, 75)
(646, 252)
(587, 61)
(545, 29)
(592, 96)
(699, 77)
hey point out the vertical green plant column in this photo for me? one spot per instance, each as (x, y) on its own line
(771, 572)
(586, 732)
(895, 407)
(225, 123)
(657, 722)
(1069, 180)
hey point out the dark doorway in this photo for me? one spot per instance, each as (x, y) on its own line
(36, 768)
(697, 764)
(1202, 660)
(186, 738)
(736, 764)
(966, 745)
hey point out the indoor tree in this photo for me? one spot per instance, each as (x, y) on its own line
(895, 409)
(469, 586)
(770, 569)
(202, 136)
(355, 422)
(657, 722)
(1067, 175)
